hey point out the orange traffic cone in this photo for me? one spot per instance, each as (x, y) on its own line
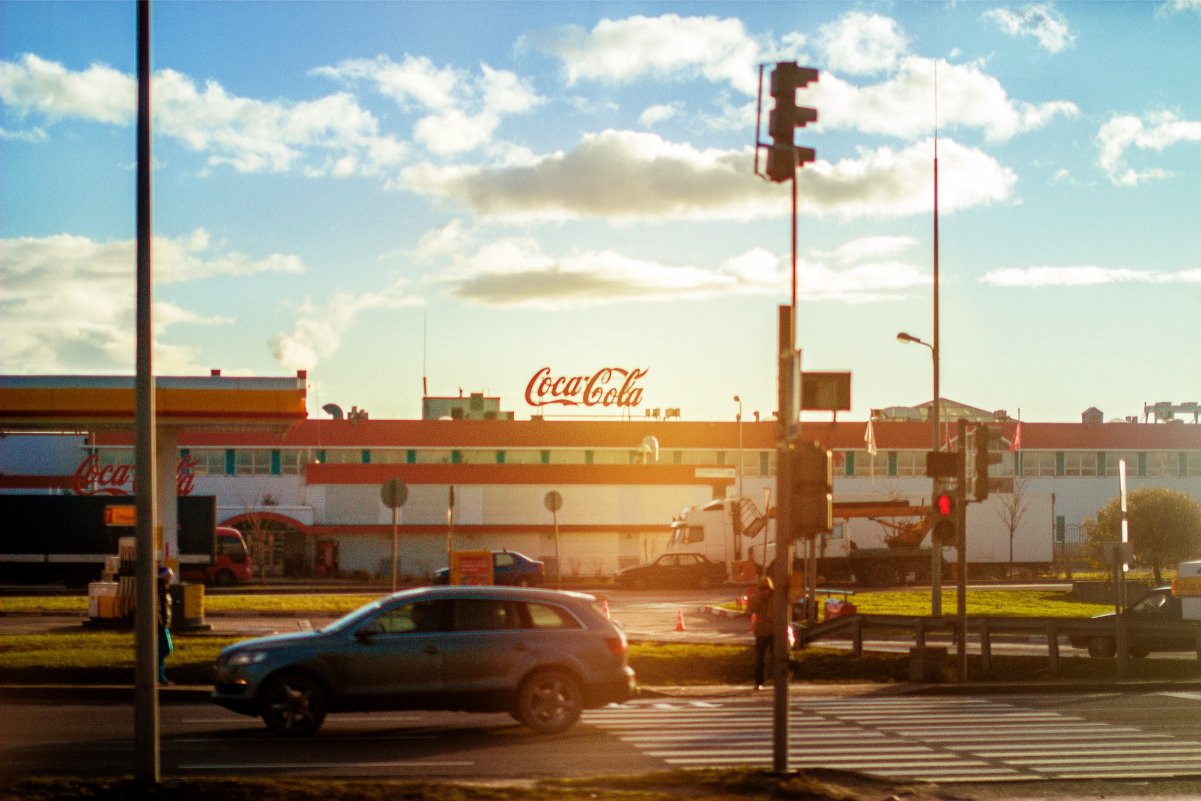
(605, 609)
(680, 620)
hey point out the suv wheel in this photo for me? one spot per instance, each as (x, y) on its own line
(293, 705)
(549, 702)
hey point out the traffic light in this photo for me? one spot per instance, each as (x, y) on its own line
(946, 524)
(812, 489)
(784, 156)
(985, 439)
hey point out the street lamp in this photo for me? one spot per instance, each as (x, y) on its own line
(935, 551)
(738, 400)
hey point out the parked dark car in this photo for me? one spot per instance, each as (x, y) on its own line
(540, 655)
(691, 570)
(509, 568)
(1158, 606)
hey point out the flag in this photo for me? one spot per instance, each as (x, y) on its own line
(869, 437)
(1016, 443)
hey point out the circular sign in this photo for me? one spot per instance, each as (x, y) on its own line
(553, 501)
(393, 493)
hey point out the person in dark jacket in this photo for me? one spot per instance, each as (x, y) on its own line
(165, 647)
(759, 606)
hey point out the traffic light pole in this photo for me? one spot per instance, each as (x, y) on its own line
(785, 514)
(961, 562)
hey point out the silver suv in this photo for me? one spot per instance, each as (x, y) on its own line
(543, 656)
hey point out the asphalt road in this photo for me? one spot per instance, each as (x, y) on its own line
(1148, 737)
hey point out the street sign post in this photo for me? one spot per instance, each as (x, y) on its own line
(394, 493)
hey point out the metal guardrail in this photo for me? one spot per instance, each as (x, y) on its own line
(1051, 628)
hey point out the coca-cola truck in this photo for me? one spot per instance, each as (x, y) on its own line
(49, 538)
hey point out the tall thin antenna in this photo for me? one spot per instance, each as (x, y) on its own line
(425, 388)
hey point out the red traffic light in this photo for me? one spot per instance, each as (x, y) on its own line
(944, 504)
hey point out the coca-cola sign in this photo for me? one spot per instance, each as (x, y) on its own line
(93, 478)
(608, 386)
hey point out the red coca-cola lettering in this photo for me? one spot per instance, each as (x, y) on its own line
(93, 478)
(599, 389)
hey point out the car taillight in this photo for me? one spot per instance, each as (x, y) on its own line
(617, 645)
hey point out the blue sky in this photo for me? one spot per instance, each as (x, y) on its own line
(474, 191)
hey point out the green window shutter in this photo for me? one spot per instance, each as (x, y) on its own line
(275, 468)
(1183, 464)
(411, 457)
(1100, 463)
(892, 463)
(1060, 463)
(365, 457)
(456, 457)
(231, 462)
(500, 457)
(850, 464)
(765, 463)
(1142, 463)
(588, 457)
(546, 457)
(320, 457)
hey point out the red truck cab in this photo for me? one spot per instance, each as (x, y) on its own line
(231, 563)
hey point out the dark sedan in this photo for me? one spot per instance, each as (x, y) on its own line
(689, 570)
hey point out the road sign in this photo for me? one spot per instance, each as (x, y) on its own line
(825, 392)
(121, 515)
(553, 501)
(394, 493)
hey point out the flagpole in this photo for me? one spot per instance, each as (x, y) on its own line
(935, 549)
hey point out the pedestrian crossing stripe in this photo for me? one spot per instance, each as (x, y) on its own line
(928, 739)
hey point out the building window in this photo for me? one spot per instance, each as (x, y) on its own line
(252, 462)
(1038, 463)
(1113, 459)
(911, 463)
(523, 457)
(613, 456)
(115, 456)
(388, 456)
(1192, 463)
(290, 461)
(862, 463)
(699, 457)
(1163, 464)
(209, 462)
(342, 456)
(567, 456)
(1080, 463)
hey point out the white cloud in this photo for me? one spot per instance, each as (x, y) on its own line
(862, 44)
(99, 93)
(661, 112)
(1174, 6)
(464, 110)
(68, 301)
(331, 135)
(320, 329)
(641, 177)
(1119, 134)
(870, 247)
(1039, 20)
(668, 46)
(1084, 276)
(516, 272)
(904, 104)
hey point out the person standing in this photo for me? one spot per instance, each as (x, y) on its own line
(165, 646)
(760, 607)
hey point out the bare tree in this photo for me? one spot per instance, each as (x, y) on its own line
(1011, 508)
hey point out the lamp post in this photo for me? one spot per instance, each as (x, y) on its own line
(935, 550)
(738, 400)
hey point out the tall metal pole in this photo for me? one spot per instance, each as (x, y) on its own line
(935, 409)
(146, 734)
(784, 531)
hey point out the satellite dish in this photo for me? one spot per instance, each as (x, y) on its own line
(333, 410)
